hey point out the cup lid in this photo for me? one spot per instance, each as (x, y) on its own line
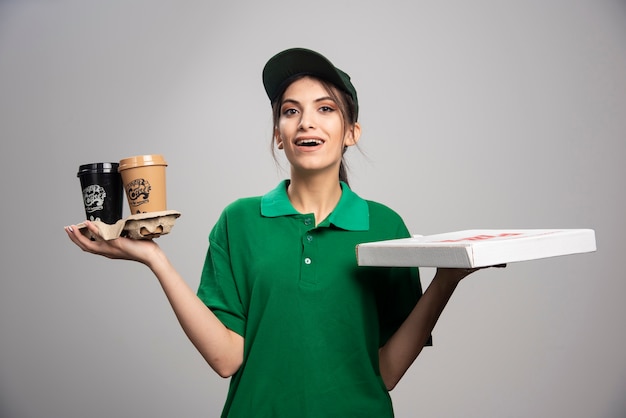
(92, 168)
(141, 160)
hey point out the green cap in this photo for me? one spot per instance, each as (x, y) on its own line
(291, 62)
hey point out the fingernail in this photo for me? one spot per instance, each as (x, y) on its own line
(70, 228)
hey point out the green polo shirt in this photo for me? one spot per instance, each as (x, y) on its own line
(312, 320)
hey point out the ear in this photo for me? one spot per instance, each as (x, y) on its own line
(278, 139)
(353, 135)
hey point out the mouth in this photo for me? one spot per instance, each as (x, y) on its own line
(309, 142)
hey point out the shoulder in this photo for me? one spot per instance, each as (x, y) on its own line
(238, 217)
(380, 212)
(379, 209)
(243, 204)
(386, 220)
(241, 208)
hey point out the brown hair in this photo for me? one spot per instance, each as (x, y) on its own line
(346, 107)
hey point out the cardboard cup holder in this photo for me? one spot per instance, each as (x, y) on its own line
(139, 226)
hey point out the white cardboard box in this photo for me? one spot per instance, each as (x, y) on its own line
(476, 248)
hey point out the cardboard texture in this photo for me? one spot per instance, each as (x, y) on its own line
(476, 248)
(139, 226)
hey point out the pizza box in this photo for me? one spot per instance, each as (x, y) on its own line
(476, 248)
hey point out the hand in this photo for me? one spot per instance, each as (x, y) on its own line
(119, 248)
(458, 274)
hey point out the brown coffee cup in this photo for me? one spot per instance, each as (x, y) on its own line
(143, 177)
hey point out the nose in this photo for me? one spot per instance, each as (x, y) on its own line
(307, 119)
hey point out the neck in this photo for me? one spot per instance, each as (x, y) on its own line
(317, 195)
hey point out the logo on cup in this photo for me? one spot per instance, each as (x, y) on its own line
(138, 192)
(93, 196)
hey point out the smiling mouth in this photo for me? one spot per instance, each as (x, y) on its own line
(309, 142)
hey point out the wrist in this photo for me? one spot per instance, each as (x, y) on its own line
(449, 277)
(156, 259)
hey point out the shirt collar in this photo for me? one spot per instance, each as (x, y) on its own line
(351, 212)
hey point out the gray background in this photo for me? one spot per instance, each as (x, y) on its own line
(482, 114)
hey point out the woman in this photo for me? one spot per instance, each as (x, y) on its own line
(300, 329)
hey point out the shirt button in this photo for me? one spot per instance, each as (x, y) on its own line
(307, 221)
(307, 260)
(309, 238)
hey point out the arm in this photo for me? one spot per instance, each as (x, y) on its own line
(220, 347)
(407, 342)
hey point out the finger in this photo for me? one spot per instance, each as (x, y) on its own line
(93, 231)
(81, 239)
(69, 230)
(75, 236)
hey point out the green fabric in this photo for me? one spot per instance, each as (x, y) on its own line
(311, 318)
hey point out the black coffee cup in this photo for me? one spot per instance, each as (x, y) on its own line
(103, 193)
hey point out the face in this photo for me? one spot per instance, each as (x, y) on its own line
(311, 129)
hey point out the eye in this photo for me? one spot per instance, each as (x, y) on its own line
(289, 111)
(327, 109)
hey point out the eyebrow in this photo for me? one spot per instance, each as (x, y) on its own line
(321, 99)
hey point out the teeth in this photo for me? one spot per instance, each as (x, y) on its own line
(309, 142)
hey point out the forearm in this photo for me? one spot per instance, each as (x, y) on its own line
(220, 347)
(401, 350)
